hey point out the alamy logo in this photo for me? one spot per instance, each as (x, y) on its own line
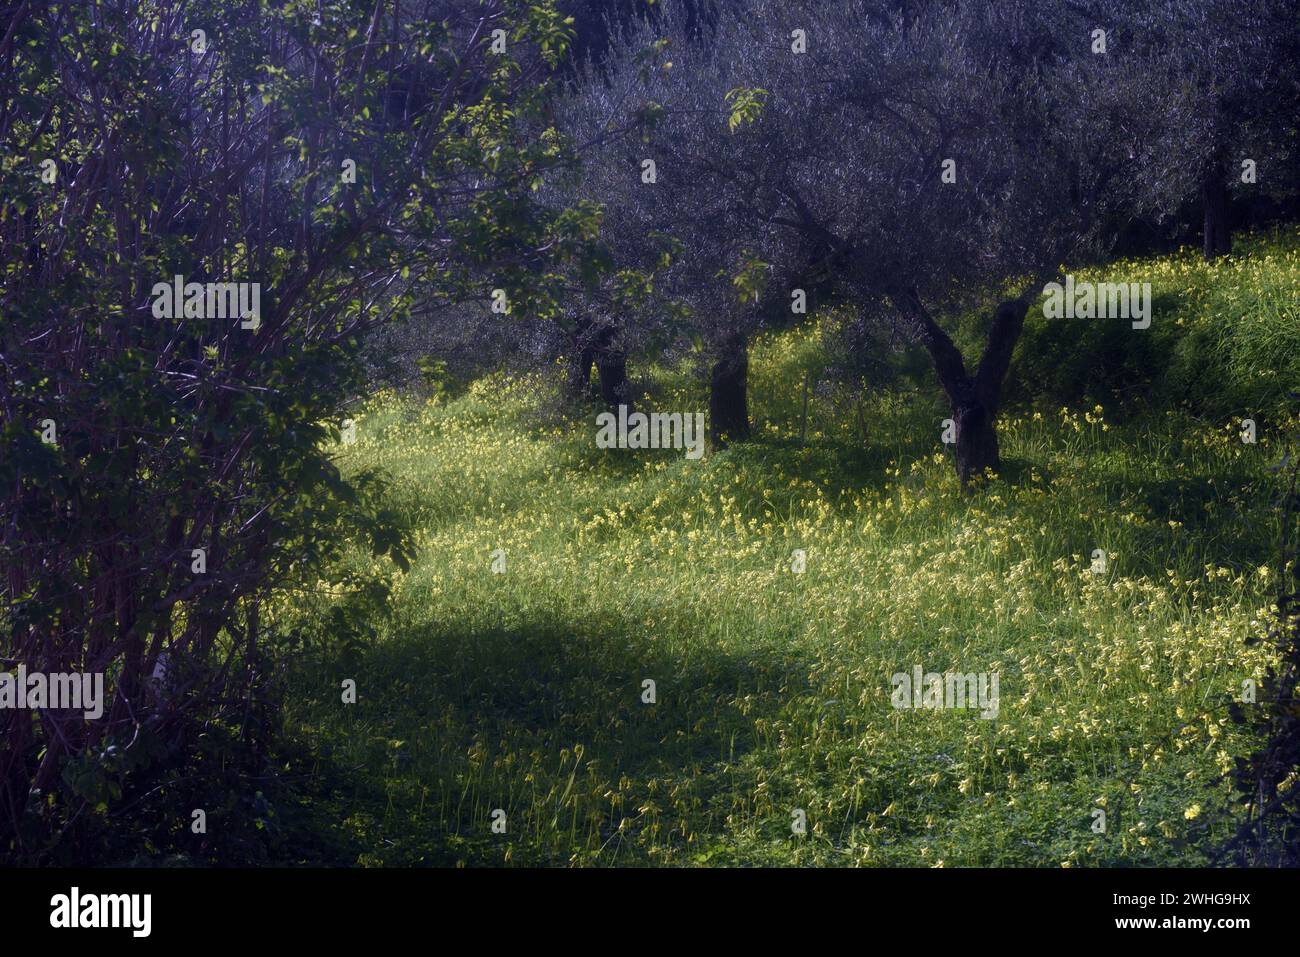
(103, 910)
(952, 689)
(658, 430)
(1099, 300)
(179, 299)
(77, 691)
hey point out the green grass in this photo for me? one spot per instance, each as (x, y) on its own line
(1224, 339)
(523, 691)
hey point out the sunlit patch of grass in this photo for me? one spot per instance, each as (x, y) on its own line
(1224, 338)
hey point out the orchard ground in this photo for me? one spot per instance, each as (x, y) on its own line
(524, 690)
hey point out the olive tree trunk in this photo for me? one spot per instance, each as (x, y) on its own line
(729, 394)
(582, 356)
(611, 367)
(973, 399)
(1214, 199)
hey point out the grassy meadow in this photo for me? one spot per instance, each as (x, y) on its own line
(523, 691)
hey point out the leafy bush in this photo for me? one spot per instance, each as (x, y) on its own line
(168, 476)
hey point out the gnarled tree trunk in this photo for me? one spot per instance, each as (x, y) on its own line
(973, 399)
(729, 394)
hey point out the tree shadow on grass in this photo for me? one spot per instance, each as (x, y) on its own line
(450, 724)
(1226, 535)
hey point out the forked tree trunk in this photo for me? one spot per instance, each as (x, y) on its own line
(973, 399)
(1214, 199)
(729, 394)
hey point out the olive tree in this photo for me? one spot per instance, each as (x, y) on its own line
(925, 154)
